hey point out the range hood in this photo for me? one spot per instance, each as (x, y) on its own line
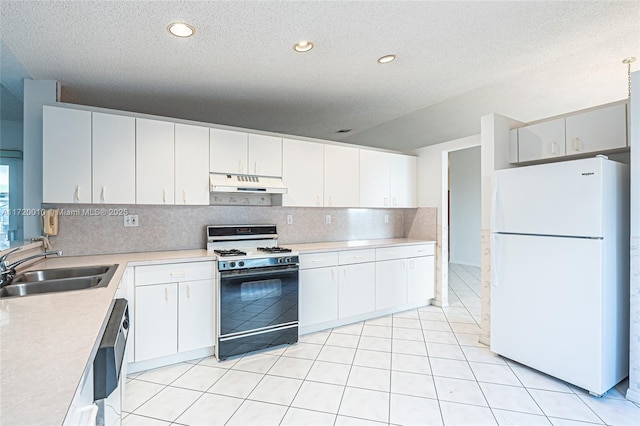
(246, 184)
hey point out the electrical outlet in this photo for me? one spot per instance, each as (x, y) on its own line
(327, 219)
(289, 219)
(386, 218)
(131, 220)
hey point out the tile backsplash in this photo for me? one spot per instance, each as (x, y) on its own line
(183, 227)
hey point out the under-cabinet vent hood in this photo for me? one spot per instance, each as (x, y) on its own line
(246, 184)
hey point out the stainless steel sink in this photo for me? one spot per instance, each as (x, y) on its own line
(56, 274)
(57, 280)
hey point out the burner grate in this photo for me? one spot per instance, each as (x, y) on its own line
(274, 249)
(230, 252)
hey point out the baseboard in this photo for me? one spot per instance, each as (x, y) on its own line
(475, 265)
(633, 395)
(148, 364)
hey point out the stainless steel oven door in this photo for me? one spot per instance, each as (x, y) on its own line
(258, 299)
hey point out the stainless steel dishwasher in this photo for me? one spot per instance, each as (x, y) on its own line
(110, 366)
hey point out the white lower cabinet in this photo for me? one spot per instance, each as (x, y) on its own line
(356, 289)
(174, 309)
(391, 283)
(195, 315)
(156, 321)
(420, 280)
(318, 297)
(337, 288)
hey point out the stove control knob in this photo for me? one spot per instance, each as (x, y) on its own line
(241, 263)
(287, 260)
(232, 264)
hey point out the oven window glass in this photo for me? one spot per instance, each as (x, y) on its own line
(257, 299)
(254, 290)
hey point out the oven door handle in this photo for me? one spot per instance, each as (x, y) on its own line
(258, 271)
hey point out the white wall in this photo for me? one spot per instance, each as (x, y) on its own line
(432, 186)
(464, 206)
(36, 94)
(11, 139)
(11, 135)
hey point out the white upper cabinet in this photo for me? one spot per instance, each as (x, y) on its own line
(244, 153)
(66, 152)
(265, 155)
(403, 171)
(598, 130)
(228, 151)
(114, 159)
(191, 165)
(302, 173)
(387, 179)
(154, 162)
(375, 178)
(542, 140)
(341, 176)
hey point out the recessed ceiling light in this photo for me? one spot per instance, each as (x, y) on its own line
(629, 60)
(303, 46)
(180, 29)
(386, 59)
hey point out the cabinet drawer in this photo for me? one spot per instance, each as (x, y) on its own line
(356, 256)
(174, 272)
(421, 250)
(390, 253)
(318, 260)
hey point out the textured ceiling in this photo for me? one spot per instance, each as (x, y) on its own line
(456, 61)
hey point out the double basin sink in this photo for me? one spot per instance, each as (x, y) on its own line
(57, 280)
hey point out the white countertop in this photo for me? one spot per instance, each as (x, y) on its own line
(46, 341)
(351, 245)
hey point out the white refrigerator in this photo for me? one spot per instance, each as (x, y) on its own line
(560, 270)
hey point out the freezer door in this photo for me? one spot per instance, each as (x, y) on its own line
(551, 199)
(546, 306)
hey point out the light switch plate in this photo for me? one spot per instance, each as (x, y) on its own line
(289, 219)
(327, 219)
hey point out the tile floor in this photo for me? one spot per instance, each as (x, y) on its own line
(419, 367)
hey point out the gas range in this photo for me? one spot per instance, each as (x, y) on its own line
(257, 289)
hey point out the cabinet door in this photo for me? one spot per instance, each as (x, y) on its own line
(391, 283)
(114, 159)
(228, 151)
(265, 155)
(156, 317)
(375, 178)
(154, 161)
(543, 140)
(356, 289)
(318, 296)
(196, 320)
(420, 280)
(66, 155)
(302, 173)
(598, 130)
(341, 176)
(192, 165)
(403, 171)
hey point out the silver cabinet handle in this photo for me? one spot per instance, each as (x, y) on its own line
(394, 201)
(184, 196)
(176, 274)
(164, 195)
(576, 144)
(317, 200)
(554, 151)
(78, 193)
(332, 275)
(104, 194)
(166, 294)
(188, 291)
(330, 202)
(386, 201)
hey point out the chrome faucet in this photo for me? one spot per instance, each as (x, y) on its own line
(8, 272)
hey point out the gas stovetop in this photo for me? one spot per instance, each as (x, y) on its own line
(240, 242)
(274, 249)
